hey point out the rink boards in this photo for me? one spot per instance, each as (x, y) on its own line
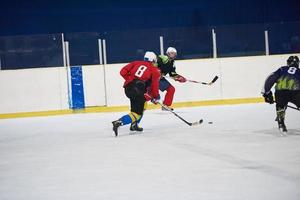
(47, 91)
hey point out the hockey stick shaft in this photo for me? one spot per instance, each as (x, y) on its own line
(205, 83)
(168, 109)
(188, 123)
(200, 82)
(293, 107)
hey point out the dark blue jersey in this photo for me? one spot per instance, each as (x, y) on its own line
(286, 78)
(166, 66)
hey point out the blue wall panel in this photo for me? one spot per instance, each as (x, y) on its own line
(77, 88)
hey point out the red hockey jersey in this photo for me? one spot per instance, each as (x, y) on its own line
(144, 71)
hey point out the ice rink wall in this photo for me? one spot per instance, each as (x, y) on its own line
(49, 89)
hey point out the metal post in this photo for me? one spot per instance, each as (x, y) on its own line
(67, 53)
(67, 65)
(214, 38)
(63, 49)
(104, 71)
(267, 43)
(100, 51)
(69, 87)
(104, 52)
(161, 42)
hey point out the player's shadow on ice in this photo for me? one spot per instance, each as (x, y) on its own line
(275, 131)
(293, 132)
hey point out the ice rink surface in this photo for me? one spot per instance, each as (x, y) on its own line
(76, 157)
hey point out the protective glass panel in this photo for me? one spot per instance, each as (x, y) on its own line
(31, 51)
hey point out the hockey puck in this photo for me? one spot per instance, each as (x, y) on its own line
(210, 122)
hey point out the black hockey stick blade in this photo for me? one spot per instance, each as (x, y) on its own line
(214, 80)
(196, 123)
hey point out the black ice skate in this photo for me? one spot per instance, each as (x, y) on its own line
(116, 125)
(282, 126)
(280, 120)
(135, 127)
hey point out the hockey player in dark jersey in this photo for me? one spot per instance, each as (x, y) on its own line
(139, 76)
(287, 89)
(166, 65)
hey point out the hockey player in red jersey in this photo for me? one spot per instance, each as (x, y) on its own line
(139, 76)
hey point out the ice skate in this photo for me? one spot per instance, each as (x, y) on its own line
(135, 127)
(282, 126)
(116, 125)
(280, 120)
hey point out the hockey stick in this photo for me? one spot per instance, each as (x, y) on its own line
(204, 83)
(188, 123)
(295, 108)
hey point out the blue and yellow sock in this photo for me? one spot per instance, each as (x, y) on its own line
(130, 118)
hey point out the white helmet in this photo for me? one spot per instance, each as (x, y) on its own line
(150, 56)
(171, 52)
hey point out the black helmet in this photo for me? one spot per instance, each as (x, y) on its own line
(293, 61)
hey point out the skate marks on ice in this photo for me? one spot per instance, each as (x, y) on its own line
(241, 163)
(293, 132)
(276, 132)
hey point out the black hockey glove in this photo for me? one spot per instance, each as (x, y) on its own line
(269, 97)
(155, 100)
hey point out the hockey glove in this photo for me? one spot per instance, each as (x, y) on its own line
(148, 97)
(180, 79)
(269, 97)
(155, 100)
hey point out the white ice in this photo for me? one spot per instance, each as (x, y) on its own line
(76, 157)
